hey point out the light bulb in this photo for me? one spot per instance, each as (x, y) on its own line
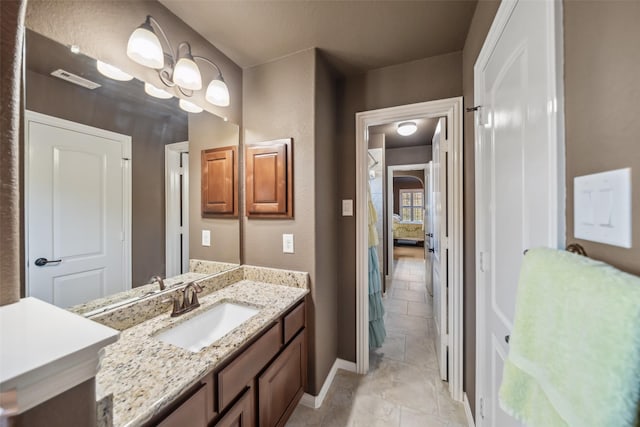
(112, 72)
(407, 128)
(189, 107)
(218, 93)
(186, 74)
(151, 90)
(145, 48)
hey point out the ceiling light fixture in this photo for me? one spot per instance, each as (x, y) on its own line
(179, 70)
(112, 72)
(189, 107)
(151, 90)
(407, 128)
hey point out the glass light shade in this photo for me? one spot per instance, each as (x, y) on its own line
(407, 128)
(112, 72)
(218, 93)
(145, 48)
(187, 75)
(151, 90)
(189, 107)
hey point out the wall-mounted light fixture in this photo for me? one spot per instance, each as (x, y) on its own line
(175, 70)
(407, 128)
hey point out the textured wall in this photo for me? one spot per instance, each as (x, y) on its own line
(209, 131)
(602, 65)
(11, 38)
(281, 101)
(424, 80)
(480, 23)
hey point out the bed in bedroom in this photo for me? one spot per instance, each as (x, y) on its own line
(411, 231)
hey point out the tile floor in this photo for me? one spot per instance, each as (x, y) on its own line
(403, 388)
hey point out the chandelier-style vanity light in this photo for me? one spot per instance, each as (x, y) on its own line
(175, 70)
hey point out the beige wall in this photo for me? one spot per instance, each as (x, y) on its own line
(424, 80)
(282, 99)
(102, 29)
(210, 131)
(480, 23)
(602, 67)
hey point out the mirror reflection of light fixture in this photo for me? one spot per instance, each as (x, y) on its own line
(151, 90)
(112, 72)
(407, 128)
(189, 107)
(175, 70)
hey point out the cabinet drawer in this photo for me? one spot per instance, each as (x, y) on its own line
(293, 322)
(281, 386)
(235, 377)
(241, 414)
(191, 413)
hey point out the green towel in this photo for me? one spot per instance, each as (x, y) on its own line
(574, 356)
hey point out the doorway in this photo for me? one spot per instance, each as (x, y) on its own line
(177, 208)
(451, 110)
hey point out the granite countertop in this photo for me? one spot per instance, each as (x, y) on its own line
(144, 374)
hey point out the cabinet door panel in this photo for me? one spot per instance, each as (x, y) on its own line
(219, 181)
(293, 322)
(191, 413)
(281, 386)
(241, 414)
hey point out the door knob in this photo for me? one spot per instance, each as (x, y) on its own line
(430, 234)
(41, 262)
(506, 338)
(431, 250)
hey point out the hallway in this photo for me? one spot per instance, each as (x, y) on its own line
(402, 388)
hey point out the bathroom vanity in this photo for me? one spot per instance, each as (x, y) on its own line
(254, 375)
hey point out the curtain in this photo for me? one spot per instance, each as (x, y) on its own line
(377, 331)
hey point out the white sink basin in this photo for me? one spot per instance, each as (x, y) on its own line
(206, 328)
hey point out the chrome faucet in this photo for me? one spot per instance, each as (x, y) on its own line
(189, 299)
(158, 279)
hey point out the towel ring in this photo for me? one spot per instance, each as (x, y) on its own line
(576, 248)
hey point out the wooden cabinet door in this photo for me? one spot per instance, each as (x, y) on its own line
(191, 413)
(269, 179)
(281, 386)
(219, 182)
(241, 414)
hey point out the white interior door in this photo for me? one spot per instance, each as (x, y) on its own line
(427, 228)
(517, 178)
(177, 208)
(75, 211)
(439, 248)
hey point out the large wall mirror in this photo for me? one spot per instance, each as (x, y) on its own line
(112, 181)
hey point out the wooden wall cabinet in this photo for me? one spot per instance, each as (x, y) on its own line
(269, 179)
(219, 182)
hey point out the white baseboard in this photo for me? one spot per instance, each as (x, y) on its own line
(315, 402)
(467, 410)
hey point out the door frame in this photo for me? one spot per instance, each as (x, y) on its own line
(450, 108)
(172, 192)
(556, 156)
(125, 140)
(389, 225)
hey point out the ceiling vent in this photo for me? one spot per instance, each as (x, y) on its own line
(72, 78)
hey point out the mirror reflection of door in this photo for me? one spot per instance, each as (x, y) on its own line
(78, 212)
(177, 205)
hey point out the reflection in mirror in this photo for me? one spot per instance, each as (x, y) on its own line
(112, 182)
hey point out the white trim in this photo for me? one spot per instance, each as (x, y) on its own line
(452, 109)
(467, 410)
(315, 402)
(390, 169)
(125, 140)
(172, 193)
(556, 156)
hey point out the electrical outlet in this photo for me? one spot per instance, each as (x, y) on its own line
(287, 243)
(347, 207)
(206, 237)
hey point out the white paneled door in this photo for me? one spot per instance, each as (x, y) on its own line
(76, 219)
(438, 248)
(518, 178)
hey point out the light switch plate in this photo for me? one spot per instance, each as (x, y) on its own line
(287, 243)
(347, 207)
(206, 237)
(602, 207)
